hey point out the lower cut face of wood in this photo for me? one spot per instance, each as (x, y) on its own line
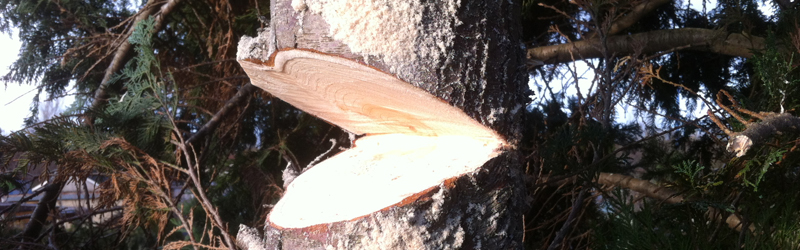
(381, 171)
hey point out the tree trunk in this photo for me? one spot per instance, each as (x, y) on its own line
(39, 216)
(466, 53)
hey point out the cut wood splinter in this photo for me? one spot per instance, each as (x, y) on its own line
(414, 141)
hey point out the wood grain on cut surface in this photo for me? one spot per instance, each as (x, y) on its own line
(382, 170)
(358, 98)
(415, 141)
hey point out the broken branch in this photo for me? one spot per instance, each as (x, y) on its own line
(212, 124)
(758, 132)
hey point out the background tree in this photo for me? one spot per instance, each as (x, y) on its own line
(164, 109)
(653, 179)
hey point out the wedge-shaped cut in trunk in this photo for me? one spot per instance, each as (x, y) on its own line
(414, 141)
(380, 171)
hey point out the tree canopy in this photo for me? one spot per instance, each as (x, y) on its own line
(185, 149)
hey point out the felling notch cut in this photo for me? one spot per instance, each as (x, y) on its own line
(414, 141)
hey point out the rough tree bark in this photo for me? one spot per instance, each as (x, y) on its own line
(39, 216)
(468, 54)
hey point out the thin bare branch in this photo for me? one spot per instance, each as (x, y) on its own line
(577, 206)
(212, 124)
(719, 123)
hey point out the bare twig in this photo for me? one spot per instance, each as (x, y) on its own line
(23, 200)
(730, 111)
(719, 124)
(738, 107)
(212, 124)
(576, 207)
(650, 73)
(190, 157)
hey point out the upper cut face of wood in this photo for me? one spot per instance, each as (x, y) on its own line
(359, 98)
(414, 140)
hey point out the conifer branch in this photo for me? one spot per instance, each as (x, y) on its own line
(101, 94)
(721, 42)
(734, 221)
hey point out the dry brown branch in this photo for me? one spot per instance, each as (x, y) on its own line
(730, 111)
(693, 123)
(190, 158)
(631, 17)
(796, 38)
(641, 186)
(26, 198)
(126, 185)
(719, 124)
(738, 107)
(646, 78)
(559, 11)
(100, 95)
(577, 206)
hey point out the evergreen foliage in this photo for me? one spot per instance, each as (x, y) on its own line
(161, 191)
(675, 152)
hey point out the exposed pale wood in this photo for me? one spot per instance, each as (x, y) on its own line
(415, 141)
(382, 170)
(358, 98)
(757, 133)
(474, 191)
